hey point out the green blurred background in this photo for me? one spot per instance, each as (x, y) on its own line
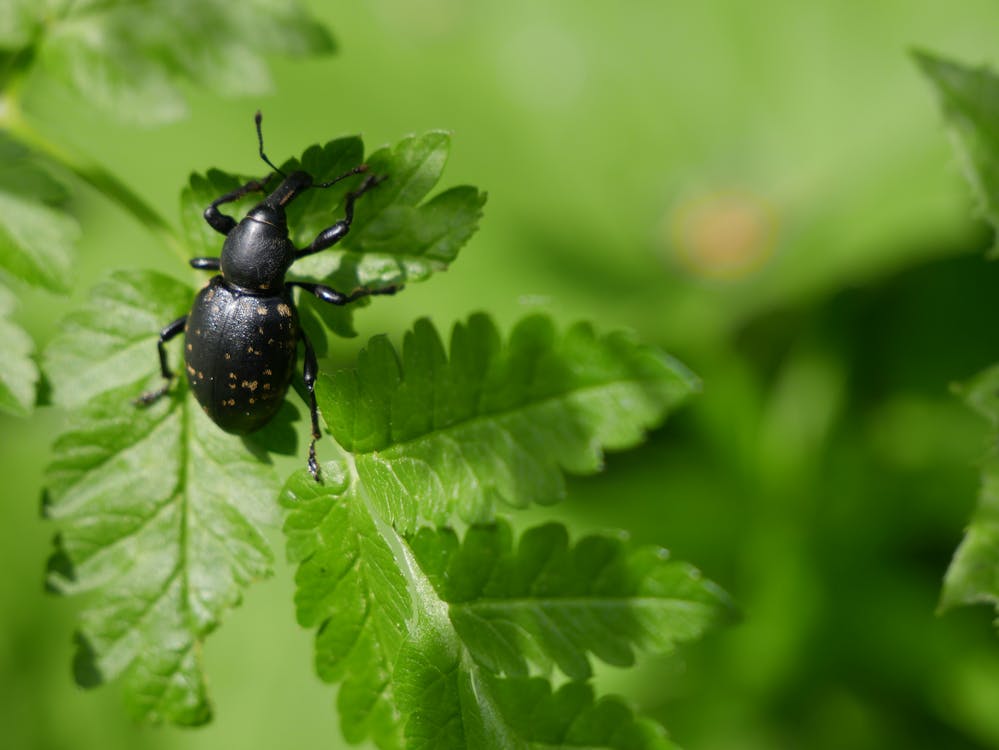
(763, 189)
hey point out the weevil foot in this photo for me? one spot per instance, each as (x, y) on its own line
(313, 464)
(150, 397)
(389, 290)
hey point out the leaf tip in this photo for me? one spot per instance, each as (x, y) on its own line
(925, 59)
(86, 673)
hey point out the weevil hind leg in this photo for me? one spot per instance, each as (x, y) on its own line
(310, 371)
(169, 332)
(333, 297)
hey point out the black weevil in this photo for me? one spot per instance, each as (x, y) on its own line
(241, 336)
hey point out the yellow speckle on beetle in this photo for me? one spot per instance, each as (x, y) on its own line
(232, 376)
(284, 310)
(268, 371)
(253, 400)
(261, 310)
(228, 356)
(190, 348)
(250, 386)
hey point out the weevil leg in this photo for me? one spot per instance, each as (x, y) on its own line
(310, 372)
(333, 297)
(206, 264)
(331, 235)
(223, 223)
(169, 332)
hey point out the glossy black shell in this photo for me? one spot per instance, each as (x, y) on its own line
(257, 252)
(239, 352)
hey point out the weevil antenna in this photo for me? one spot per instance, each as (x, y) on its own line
(258, 118)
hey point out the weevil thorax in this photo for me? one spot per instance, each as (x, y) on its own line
(257, 252)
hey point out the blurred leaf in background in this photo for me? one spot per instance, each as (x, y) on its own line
(36, 233)
(970, 101)
(37, 236)
(972, 576)
(18, 372)
(130, 59)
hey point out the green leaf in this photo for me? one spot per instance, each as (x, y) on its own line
(412, 626)
(317, 209)
(36, 234)
(350, 588)
(394, 237)
(970, 101)
(450, 706)
(548, 598)
(18, 372)
(973, 575)
(130, 57)
(397, 236)
(571, 717)
(160, 514)
(433, 434)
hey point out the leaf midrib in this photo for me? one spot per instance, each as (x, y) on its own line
(492, 416)
(576, 602)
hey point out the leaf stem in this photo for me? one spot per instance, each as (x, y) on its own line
(12, 121)
(428, 608)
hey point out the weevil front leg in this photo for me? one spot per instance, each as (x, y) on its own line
(206, 264)
(169, 332)
(224, 223)
(331, 235)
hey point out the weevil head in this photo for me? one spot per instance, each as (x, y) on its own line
(290, 188)
(258, 252)
(271, 210)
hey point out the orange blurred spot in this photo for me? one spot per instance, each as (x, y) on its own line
(724, 235)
